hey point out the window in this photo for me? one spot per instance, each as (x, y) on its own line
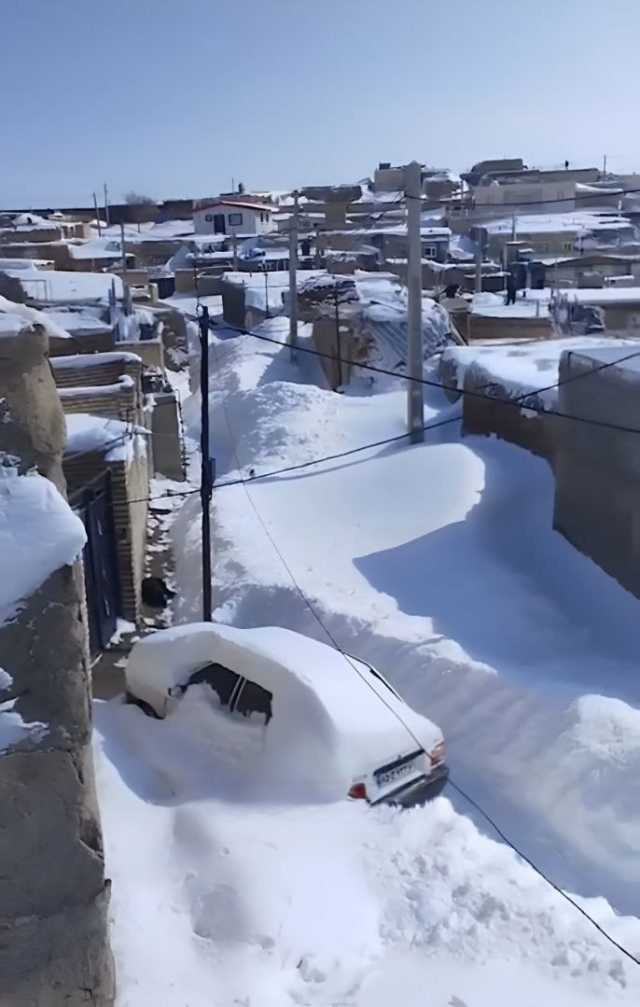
(567, 246)
(235, 219)
(429, 252)
(239, 694)
(209, 218)
(261, 217)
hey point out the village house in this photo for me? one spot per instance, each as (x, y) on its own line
(233, 216)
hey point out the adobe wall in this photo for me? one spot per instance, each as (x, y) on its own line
(54, 899)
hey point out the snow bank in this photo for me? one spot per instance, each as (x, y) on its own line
(439, 565)
(216, 902)
(38, 535)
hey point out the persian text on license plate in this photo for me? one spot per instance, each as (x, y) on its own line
(392, 775)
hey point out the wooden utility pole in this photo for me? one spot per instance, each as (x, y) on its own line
(415, 402)
(207, 472)
(107, 219)
(95, 204)
(293, 284)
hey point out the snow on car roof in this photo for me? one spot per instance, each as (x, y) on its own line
(354, 719)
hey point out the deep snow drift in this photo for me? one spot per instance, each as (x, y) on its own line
(437, 563)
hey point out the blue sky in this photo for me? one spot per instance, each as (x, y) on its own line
(177, 98)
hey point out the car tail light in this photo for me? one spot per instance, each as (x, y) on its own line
(358, 792)
(437, 754)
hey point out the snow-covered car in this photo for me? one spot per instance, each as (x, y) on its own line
(302, 712)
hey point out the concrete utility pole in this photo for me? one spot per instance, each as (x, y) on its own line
(478, 283)
(123, 253)
(106, 205)
(95, 204)
(234, 244)
(266, 291)
(415, 402)
(207, 470)
(293, 283)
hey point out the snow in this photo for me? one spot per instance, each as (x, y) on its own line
(333, 721)
(493, 306)
(14, 730)
(77, 321)
(218, 901)
(78, 361)
(574, 221)
(86, 433)
(260, 293)
(22, 316)
(38, 535)
(523, 368)
(188, 304)
(58, 285)
(437, 563)
(5, 680)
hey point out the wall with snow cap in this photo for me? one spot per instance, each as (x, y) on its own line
(54, 945)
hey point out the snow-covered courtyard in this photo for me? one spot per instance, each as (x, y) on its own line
(437, 563)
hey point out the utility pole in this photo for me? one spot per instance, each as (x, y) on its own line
(478, 283)
(604, 164)
(234, 244)
(106, 205)
(293, 285)
(95, 204)
(336, 308)
(266, 291)
(125, 282)
(415, 403)
(207, 474)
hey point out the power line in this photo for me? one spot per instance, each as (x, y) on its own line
(312, 609)
(473, 393)
(545, 877)
(413, 736)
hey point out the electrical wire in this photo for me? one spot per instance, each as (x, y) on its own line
(527, 397)
(411, 733)
(544, 876)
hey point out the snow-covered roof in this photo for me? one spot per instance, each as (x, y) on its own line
(113, 438)
(539, 223)
(230, 204)
(60, 285)
(38, 535)
(18, 316)
(257, 290)
(97, 248)
(522, 368)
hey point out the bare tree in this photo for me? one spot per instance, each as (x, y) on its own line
(142, 209)
(134, 198)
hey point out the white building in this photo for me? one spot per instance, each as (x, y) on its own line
(233, 216)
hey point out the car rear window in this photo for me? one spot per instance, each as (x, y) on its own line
(222, 680)
(240, 695)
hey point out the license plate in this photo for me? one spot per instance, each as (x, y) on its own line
(391, 775)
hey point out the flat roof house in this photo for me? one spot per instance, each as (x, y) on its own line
(233, 216)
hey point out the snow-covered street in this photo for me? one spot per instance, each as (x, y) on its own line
(436, 563)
